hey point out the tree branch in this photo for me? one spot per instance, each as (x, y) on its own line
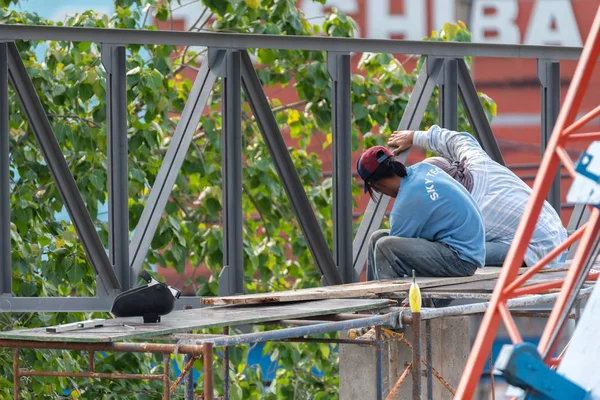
(288, 106)
(255, 203)
(199, 19)
(181, 206)
(197, 136)
(146, 16)
(75, 116)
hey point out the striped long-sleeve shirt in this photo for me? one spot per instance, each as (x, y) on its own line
(500, 194)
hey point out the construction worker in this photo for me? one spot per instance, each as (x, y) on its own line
(436, 226)
(499, 193)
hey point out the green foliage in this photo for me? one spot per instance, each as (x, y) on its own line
(49, 260)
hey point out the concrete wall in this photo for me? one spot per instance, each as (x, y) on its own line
(450, 345)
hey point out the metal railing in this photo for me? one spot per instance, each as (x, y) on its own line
(228, 58)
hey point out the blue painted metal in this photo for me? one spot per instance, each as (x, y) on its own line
(522, 366)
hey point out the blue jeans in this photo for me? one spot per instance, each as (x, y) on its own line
(495, 253)
(396, 257)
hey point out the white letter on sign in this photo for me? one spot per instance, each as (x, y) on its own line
(549, 14)
(381, 24)
(501, 23)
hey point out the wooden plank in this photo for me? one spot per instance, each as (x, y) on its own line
(200, 318)
(361, 289)
(488, 286)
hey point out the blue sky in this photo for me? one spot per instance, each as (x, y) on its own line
(58, 10)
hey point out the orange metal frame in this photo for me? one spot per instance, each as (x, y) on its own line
(510, 285)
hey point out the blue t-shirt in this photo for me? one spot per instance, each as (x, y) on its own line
(432, 205)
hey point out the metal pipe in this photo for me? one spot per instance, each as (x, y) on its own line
(448, 96)
(226, 367)
(540, 314)
(339, 69)
(316, 43)
(231, 279)
(296, 322)
(429, 358)
(93, 375)
(337, 341)
(184, 348)
(479, 308)
(390, 319)
(16, 375)
(113, 59)
(91, 361)
(416, 353)
(165, 377)
(5, 251)
(456, 296)
(189, 377)
(548, 72)
(378, 363)
(208, 371)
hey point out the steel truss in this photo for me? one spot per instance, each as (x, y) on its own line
(228, 59)
(510, 286)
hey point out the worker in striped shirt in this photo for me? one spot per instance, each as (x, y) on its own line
(500, 194)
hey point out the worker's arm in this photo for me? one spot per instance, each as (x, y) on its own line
(456, 146)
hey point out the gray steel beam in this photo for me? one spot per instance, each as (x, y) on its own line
(113, 59)
(55, 304)
(5, 252)
(448, 95)
(479, 123)
(165, 180)
(411, 119)
(579, 216)
(74, 304)
(59, 169)
(341, 124)
(231, 279)
(285, 168)
(548, 72)
(316, 43)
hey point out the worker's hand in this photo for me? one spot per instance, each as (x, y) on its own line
(402, 140)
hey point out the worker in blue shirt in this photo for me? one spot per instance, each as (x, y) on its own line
(435, 225)
(500, 194)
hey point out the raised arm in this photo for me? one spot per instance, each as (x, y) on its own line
(456, 146)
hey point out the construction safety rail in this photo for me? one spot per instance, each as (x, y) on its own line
(228, 58)
(317, 43)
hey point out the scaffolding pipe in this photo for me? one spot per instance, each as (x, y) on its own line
(478, 308)
(390, 319)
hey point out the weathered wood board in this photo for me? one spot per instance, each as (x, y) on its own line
(488, 286)
(361, 289)
(199, 318)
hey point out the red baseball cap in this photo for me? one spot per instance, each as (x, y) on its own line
(369, 161)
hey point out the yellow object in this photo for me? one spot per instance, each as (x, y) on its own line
(253, 3)
(414, 295)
